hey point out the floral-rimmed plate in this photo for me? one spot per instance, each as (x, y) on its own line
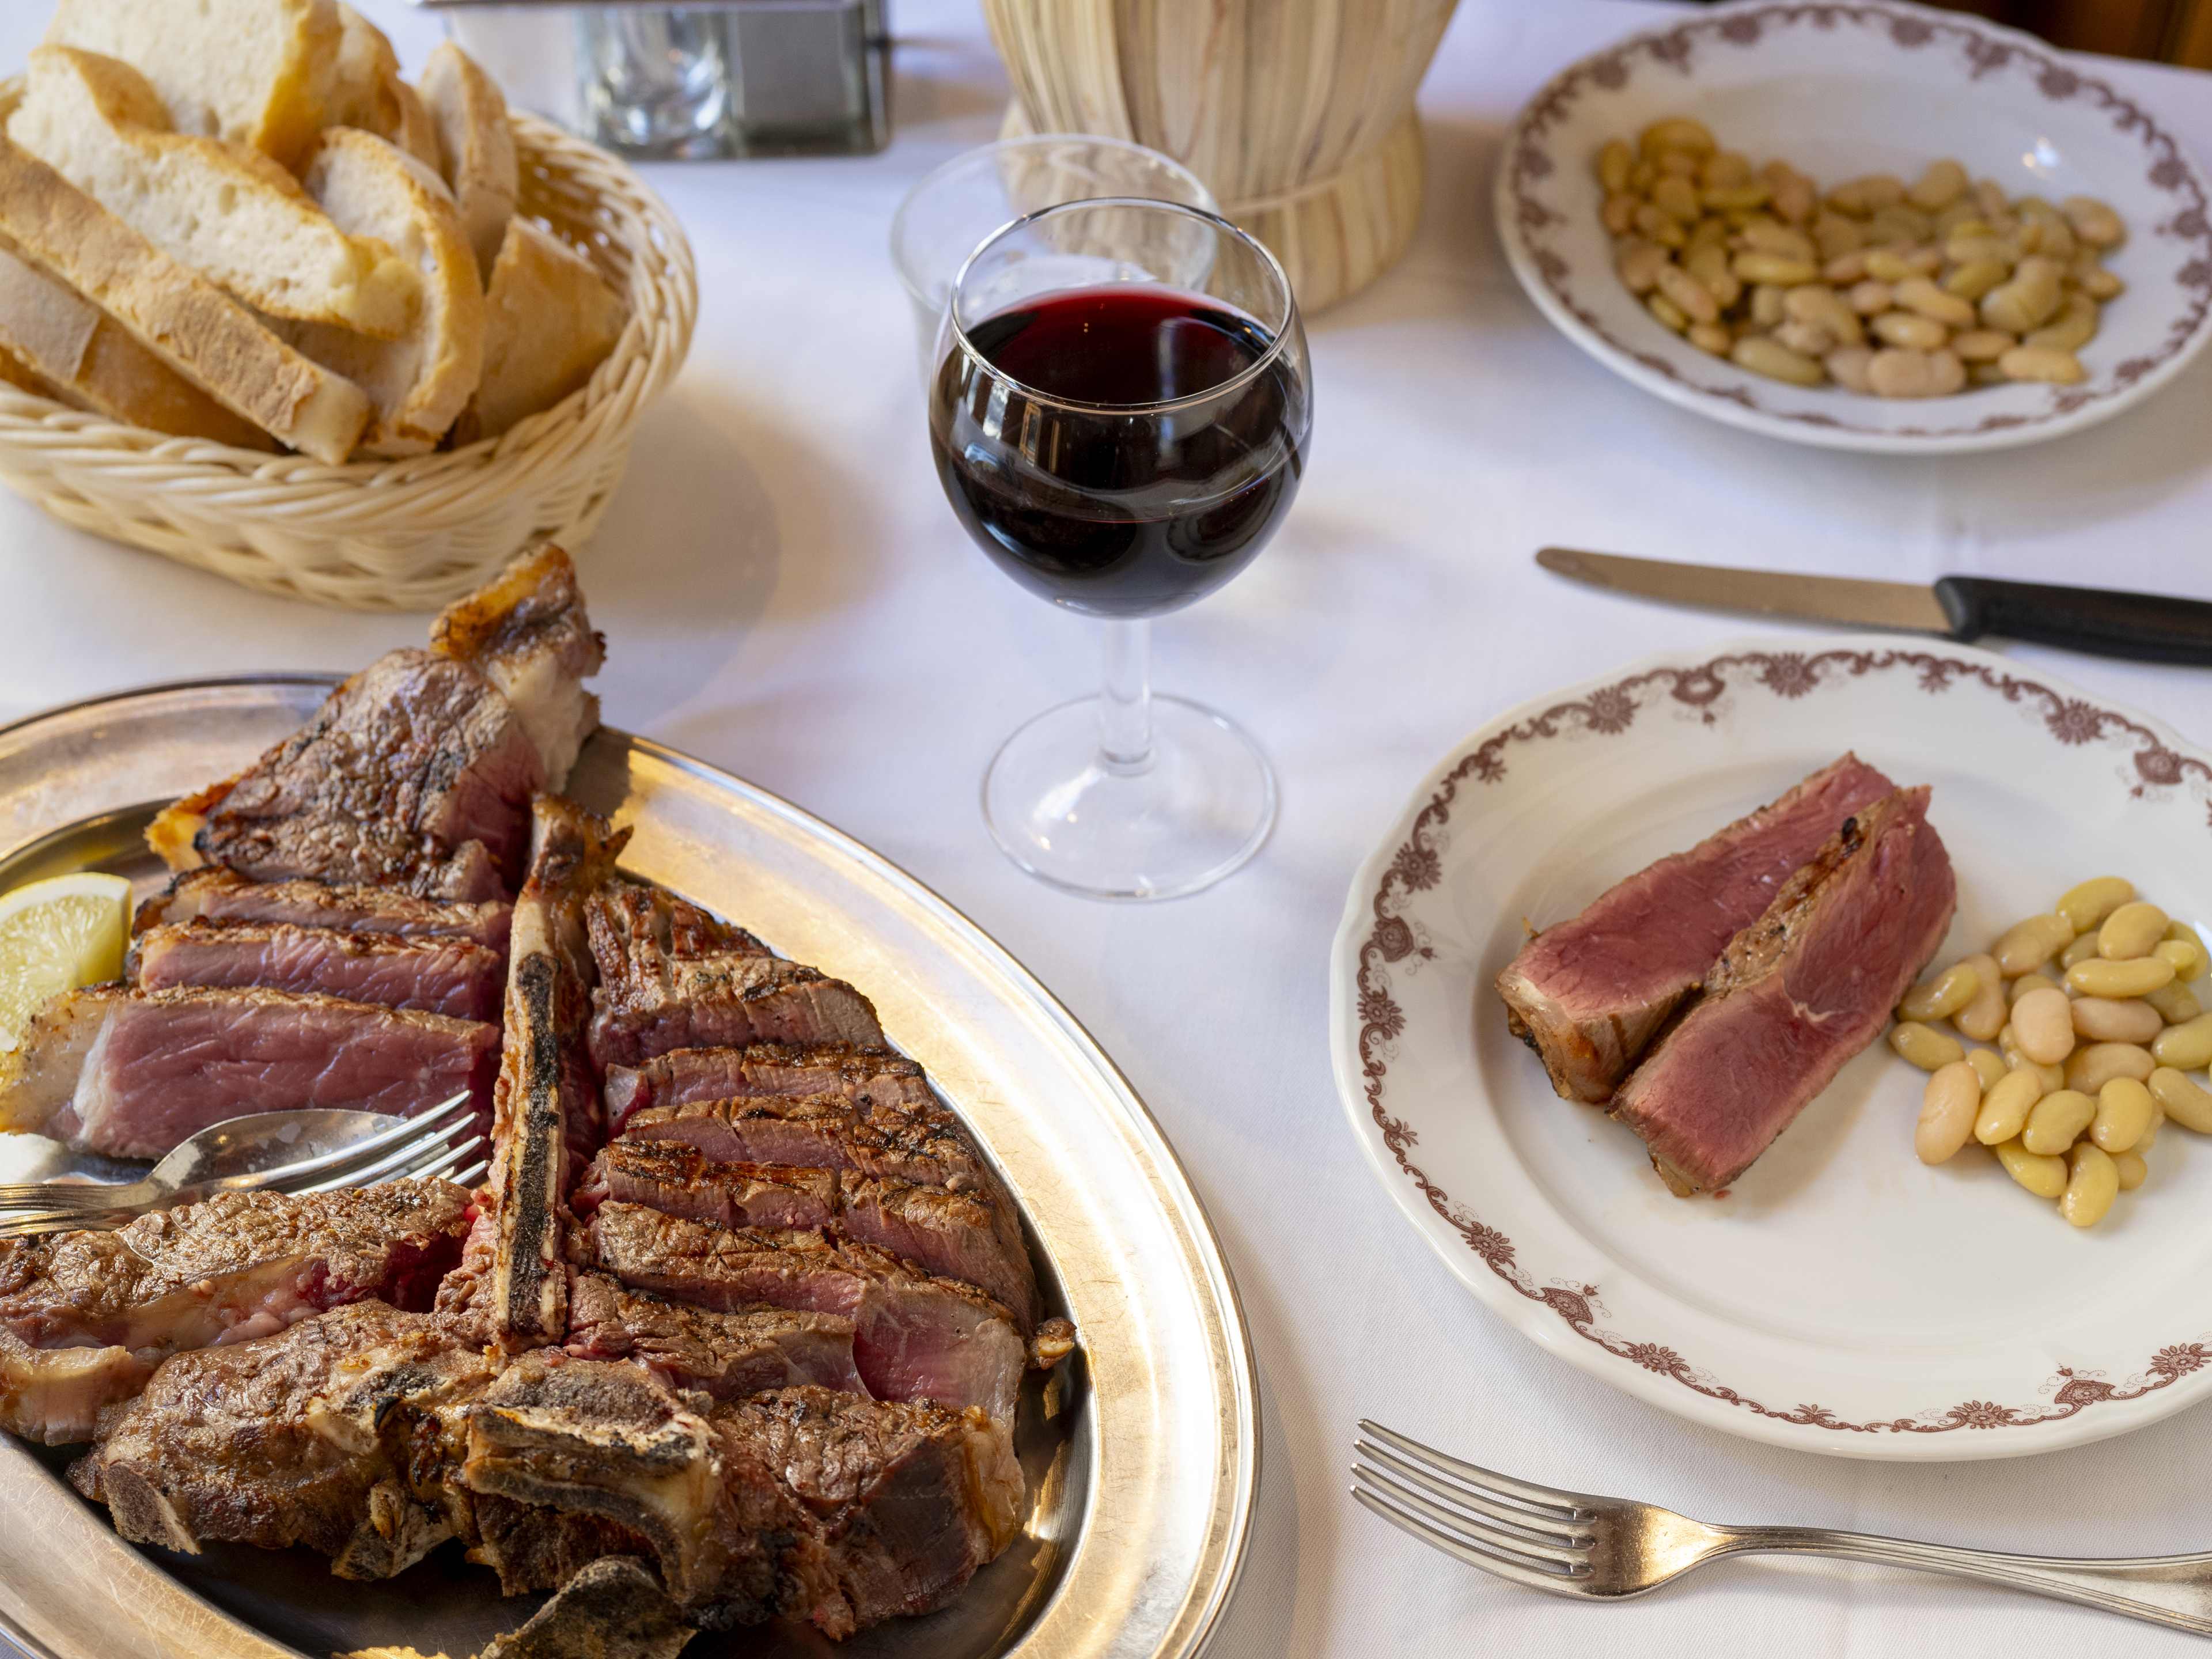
(1843, 1298)
(1838, 90)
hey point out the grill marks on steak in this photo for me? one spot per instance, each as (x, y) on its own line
(927, 1146)
(131, 1074)
(223, 896)
(915, 1337)
(804, 1502)
(671, 977)
(1794, 996)
(415, 773)
(1589, 994)
(726, 1355)
(546, 1118)
(437, 976)
(674, 1178)
(863, 1076)
(527, 632)
(84, 1316)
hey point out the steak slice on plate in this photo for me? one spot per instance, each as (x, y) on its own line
(437, 976)
(527, 632)
(131, 1074)
(1589, 992)
(725, 1000)
(415, 773)
(914, 1337)
(677, 1180)
(862, 1076)
(925, 1144)
(1796, 994)
(216, 895)
(341, 1434)
(546, 1119)
(963, 1235)
(84, 1316)
(727, 1355)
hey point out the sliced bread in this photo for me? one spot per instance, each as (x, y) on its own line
(368, 93)
(225, 209)
(185, 319)
(553, 319)
(78, 355)
(478, 141)
(257, 72)
(422, 381)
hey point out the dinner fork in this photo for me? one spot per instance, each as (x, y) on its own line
(1572, 1543)
(296, 1152)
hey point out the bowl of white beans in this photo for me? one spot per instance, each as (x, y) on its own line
(1875, 227)
(2063, 1048)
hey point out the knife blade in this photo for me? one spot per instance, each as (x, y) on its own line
(2104, 621)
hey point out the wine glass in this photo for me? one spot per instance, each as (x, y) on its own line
(1120, 417)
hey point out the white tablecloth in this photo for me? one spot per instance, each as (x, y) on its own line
(785, 593)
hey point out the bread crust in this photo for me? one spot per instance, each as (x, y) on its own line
(552, 320)
(478, 139)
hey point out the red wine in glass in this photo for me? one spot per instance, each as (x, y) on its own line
(1134, 449)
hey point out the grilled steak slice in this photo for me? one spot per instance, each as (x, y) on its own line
(1794, 996)
(963, 1235)
(675, 1179)
(923, 1145)
(438, 975)
(863, 1076)
(612, 1609)
(914, 1337)
(224, 897)
(84, 1316)
(721, 1001)
(546, 1119)
(131, 1073)
(804, 1502)
(637, 927)
(340, 1434)
(526, 632)
(1589, 992)
(727, 1355)
(415, 774)
(908, 1500)
(612, 1442)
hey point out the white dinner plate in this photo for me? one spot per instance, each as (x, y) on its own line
(1840, 90)
(1842, 1298)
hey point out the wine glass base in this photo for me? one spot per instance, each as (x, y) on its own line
(1196, 811)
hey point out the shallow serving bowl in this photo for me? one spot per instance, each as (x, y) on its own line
(1840, 90)
(406, 535)
(1142, 1459)
(1842, 1298)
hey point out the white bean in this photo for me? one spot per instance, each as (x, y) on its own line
(2043, 1025)
(1984, 1015)
(1947, 1106)
(2091, 1182)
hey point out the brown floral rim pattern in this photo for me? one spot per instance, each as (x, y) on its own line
(1609, 711)
(1985, 51)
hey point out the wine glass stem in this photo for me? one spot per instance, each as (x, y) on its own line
(1125, 706)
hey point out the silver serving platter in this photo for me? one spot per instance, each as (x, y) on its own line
(1143, 1459)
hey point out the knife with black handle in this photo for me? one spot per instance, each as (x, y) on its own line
(2104, 622)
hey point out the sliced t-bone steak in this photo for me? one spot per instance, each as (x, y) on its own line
(546, 1122)
(805, 1502)
(727, 1355)
(1794, 995)
(526, 632)
(1589, 992)
(131, 1074)
(224, 897)
(344, 1434)
(721, 1001)
(673, 1177)
(415, 774)
(85, 1316)
(437, 976)
(914, 1337)
(863, 1076)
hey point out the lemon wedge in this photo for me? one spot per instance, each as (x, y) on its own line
(54, 936)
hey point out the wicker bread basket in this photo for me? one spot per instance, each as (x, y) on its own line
(392, 535)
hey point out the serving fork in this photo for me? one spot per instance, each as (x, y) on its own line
(1573, 1543)
(308, 1151)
